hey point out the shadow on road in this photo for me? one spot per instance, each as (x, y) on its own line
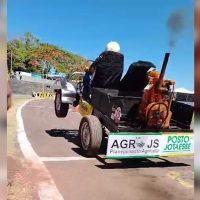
(138, 163)
(72, 136)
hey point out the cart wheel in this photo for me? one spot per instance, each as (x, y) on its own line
(61, 109)
(90, 133)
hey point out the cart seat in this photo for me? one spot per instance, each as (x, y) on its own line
(135, 79)
(109, 69)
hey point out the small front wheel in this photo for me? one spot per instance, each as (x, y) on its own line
(90, 133)
(61, 109)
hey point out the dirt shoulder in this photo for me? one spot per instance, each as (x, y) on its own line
(19, 178)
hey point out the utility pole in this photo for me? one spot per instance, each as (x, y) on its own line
(44, 65)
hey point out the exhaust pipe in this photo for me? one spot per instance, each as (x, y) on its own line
(162, 73)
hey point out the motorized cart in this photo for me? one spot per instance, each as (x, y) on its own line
(138, 121)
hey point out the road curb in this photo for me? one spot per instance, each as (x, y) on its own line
(47, 189)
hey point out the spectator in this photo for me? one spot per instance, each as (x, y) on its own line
(87, 80)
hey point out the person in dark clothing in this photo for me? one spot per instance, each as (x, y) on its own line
(87, 81)
(109, 67)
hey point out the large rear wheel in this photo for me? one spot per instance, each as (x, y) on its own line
(90, 133)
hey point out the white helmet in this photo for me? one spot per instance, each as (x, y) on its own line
(113, 46)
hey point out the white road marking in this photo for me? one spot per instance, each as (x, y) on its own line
(47, 189)
(76, 158)
(40, 106)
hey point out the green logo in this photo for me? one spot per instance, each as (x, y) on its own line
(178, 143)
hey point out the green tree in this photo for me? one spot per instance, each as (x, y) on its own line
(16, 50)
(63, 61)
(30, 55)
(20, 51)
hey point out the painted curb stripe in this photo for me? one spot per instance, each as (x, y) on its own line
(47, 189)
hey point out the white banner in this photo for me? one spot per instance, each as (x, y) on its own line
(125, 145)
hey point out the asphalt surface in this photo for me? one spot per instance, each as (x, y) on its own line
(55, 142)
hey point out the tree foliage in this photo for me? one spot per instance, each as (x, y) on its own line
(30, 55)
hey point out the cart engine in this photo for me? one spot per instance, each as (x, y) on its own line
(154, 109)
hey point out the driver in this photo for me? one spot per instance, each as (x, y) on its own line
(109, 67)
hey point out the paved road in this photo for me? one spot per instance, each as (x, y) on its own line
(55, 142)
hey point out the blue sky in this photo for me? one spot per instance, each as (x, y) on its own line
(84, 27)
